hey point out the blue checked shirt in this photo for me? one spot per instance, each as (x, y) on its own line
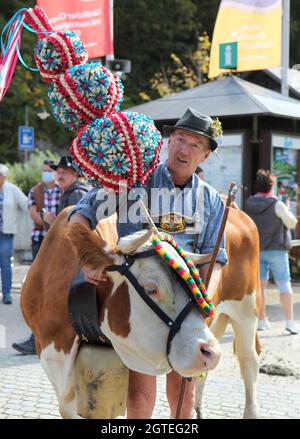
(198, 209)
(51, 204)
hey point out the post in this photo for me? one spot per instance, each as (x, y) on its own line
(111, 57)
(26, 155)
(285, 47)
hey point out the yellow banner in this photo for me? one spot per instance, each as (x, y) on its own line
(256, 27)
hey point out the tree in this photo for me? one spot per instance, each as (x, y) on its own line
(26, 89)
(147, 32)
(182, 76)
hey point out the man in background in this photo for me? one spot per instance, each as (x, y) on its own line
(66, 191)
(43, 203)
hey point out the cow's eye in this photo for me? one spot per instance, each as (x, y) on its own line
(151, 290)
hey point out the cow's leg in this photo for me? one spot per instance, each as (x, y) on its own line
(218, 328)
(244, 329)
(59, 368)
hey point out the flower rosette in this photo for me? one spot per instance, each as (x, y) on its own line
(58, 51)
(83, 93)
(117, 149)
(54, 52)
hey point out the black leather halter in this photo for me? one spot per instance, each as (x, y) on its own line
(174, 325)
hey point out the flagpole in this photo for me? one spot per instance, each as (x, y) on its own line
(285, 47)
(111, 56)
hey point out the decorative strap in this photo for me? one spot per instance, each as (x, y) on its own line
(192, 277)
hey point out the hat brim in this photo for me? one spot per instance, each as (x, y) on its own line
(54, 167)
(168, 129)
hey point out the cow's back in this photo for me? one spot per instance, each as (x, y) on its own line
(240, 277)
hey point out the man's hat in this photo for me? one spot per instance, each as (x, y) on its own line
(65, 162)
(198, 123)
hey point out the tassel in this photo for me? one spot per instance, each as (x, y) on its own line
(33, 20)
(9, 50)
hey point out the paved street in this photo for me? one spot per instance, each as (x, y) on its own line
(26, 393)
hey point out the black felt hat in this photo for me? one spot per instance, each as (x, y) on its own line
(65, 162)
(197, 123)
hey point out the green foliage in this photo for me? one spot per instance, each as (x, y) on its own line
(181, 76)
(27, 174)
(26, 89)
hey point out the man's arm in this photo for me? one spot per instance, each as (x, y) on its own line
(85, 213)
(35, 216)
(78, 218)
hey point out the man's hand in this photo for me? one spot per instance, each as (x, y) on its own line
(49, 218)
(94, 276)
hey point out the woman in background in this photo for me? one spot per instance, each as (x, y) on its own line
(11, 197)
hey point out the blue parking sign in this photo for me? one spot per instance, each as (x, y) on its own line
(26, 138)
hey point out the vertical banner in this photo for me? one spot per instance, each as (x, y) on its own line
(255, 25)
(89, 18)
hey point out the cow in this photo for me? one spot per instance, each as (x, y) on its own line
(237, 302)
(137, 334)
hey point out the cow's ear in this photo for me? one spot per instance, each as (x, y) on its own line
(93, 252)
(198, 259)
(129, 244)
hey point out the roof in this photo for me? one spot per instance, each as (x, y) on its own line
(293, 77)
(230, 96)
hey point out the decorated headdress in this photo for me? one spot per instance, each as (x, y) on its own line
(111, 146)
(174, 255)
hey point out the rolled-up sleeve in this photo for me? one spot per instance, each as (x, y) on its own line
(212, 230)
(97, 204)
(86, 207)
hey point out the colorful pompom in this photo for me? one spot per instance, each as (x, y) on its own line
(120, 148)
(58, 51)
(84, 93)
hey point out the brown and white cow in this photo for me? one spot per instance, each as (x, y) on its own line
(138, 336)
(237, 301)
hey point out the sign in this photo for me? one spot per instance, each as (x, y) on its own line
(26, 138)
(90, 19)
(228, 55)
(221, 171)
(256, 26)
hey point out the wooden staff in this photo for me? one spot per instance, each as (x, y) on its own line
(231, 196)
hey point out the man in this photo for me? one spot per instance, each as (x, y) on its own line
(66, 192)
(191, 142)
(67, 178)
(273, 220)
(199, 172)
(43, 203)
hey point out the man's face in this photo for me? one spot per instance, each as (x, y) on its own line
(186, 151)
(65, 177)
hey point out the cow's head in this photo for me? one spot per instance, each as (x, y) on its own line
(138, 335)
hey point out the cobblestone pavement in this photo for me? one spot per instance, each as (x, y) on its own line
(25, 391)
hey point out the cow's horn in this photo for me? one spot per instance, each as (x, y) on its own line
(198, 259)
(129, 244)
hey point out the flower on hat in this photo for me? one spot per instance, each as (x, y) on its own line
(216, 128)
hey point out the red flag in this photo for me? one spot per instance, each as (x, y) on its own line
(89, 18)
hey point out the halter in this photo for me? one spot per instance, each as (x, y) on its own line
(193, 302)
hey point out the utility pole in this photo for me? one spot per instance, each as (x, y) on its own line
(26, 155)
(111, 56)
(285, 47)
